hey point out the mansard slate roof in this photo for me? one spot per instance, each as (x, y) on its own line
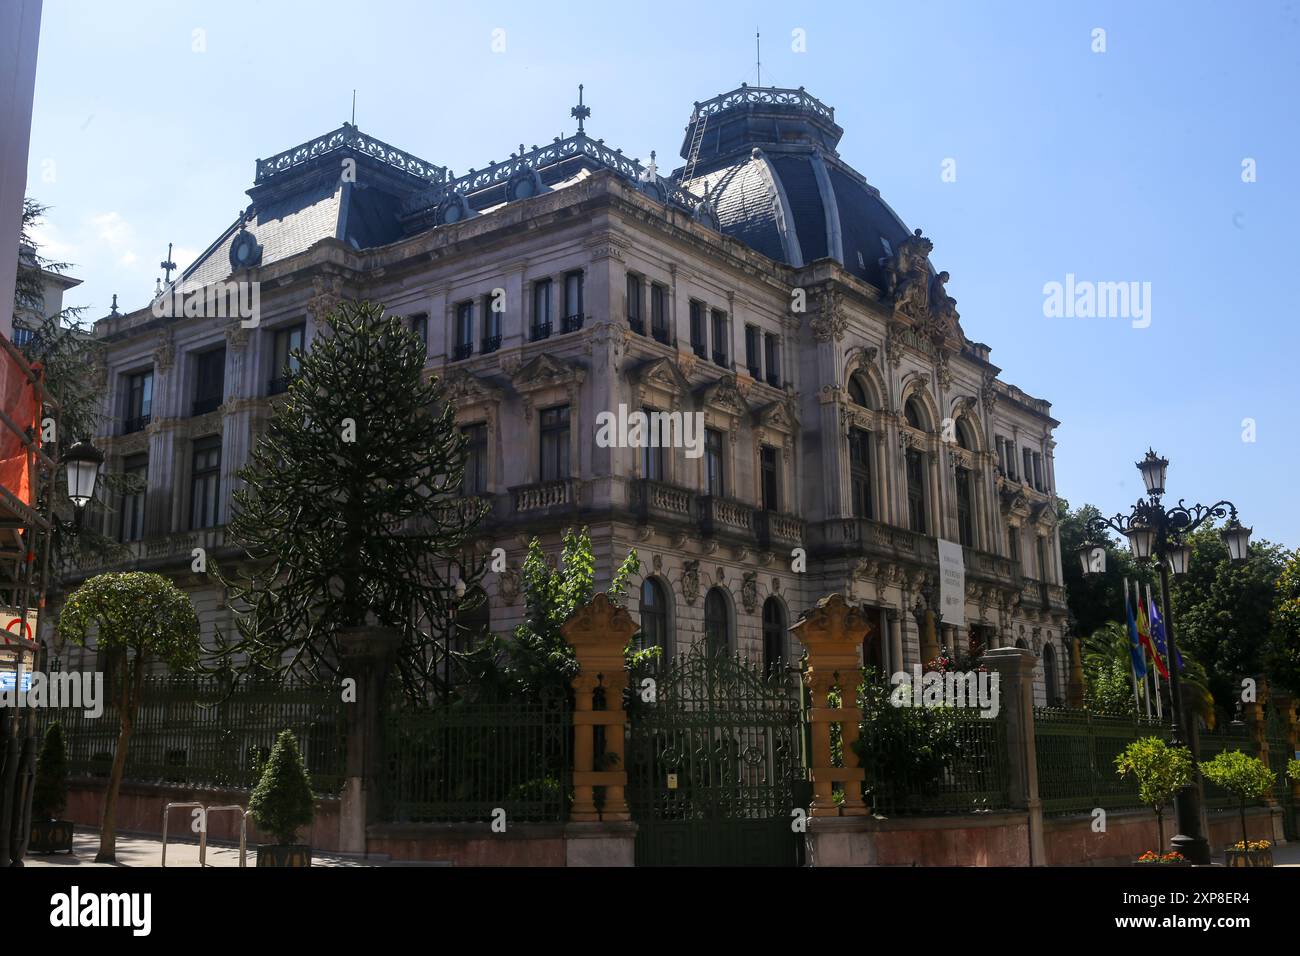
(761, 166)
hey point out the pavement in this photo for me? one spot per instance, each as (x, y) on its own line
(135, 849)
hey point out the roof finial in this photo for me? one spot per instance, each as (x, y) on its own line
(114, 311)
(167, 265)
(354, 107)
(580, 112)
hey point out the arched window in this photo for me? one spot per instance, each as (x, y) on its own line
(1049, 676)
(774, 645)
(654, 615)
(716, 622)
(914, 414)
(857, 393)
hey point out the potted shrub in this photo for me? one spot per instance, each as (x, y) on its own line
(49, 834)
(1161, 771)
(282, 804)
(1248, 779)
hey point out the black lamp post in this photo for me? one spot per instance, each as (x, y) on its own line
(83, 461)
(1156, 533)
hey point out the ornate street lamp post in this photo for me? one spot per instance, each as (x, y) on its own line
(1156, 533)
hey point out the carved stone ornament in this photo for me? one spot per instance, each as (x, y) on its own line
(508, 586)
(690, 581)
(749, 591)
(830, 321)
(164, 355)
(917, 294)
(327, 294)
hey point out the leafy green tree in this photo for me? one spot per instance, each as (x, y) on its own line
(281, 803)
(51, 792)
(1108, 676)
(350, 510)
(1246, 778)
(1160, 770)
(135, 618)
(1284, 645)
(1224, 611)
(538, 656)
(1097, 599)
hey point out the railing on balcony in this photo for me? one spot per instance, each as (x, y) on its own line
(542, 330)
(775, 528)
(658, 499)
(720, 359)
(637, 325)
(571, 323)
(491, 344)
(774, 379)
(982, 564)
(136, 423)
(726, 516)
(857, 535)
(545, 495)
(159, 549)
(462, 351)
(660, 334)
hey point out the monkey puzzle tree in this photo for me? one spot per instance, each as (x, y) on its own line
(351, 512)
(135, 618)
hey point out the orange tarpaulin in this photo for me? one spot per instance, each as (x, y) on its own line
(19, 400)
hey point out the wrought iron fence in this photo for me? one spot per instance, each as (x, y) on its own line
(198, 732)
(926, 760)
(1076, 751)
(1279, 753)
(463, 761)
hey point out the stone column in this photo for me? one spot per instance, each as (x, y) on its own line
(928, 636)
(832, 633)
(1015, 669)
(367, 655)
(896, 639)
(598, 632)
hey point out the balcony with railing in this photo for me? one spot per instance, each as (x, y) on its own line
(545, 496)
(572, 323)
(726, 517)
(863, 536)
(160, 551)
(201, 406)
(776, 530)
(658, 500)
(462, 351)
(542, 330)
(136, 423)
(491, 344)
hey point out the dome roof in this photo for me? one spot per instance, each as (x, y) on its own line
(767, 160)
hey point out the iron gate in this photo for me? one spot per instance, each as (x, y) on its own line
(714, 763)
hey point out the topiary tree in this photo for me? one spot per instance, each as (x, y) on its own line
(281, 803)
(1246, 778)
(51, 792)
(1293, 769)
(1160, 770)
(351, 509)
(136, 618)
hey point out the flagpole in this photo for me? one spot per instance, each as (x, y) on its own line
(1160, 711)
(1132, 670)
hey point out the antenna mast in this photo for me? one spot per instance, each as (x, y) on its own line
(758, 54)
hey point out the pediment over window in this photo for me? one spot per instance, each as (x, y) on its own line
(1015, 504)
(779, 416)
(723, 396)
(544, 371)
(1044, 516)
(462, 388)
(663, 375)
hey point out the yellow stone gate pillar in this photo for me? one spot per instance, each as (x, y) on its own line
(598, 632)
(832, 632)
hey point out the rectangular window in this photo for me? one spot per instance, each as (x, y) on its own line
(1013, 546)
(965, 517)
(1029, 463)
(916, 511)
(573, 314)
(772, 358)
(860, 472)
(771, 479)
(714, 469)
(752, 359)
(419, 326)
(699, 335)
(464, 331)
(635, 317)
(555, 443)
(659, 313)
(139, 401)
(209, 381)
(541, 309)
(136, 472)
(491, 324)
(476, 451)
(1038, 472)
(652, 453)
(720, 338)
(205, 482)
(284, 366)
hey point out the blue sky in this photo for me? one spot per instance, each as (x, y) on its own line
(1117, 166)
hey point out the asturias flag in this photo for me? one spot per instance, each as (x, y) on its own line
(1134, 647)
